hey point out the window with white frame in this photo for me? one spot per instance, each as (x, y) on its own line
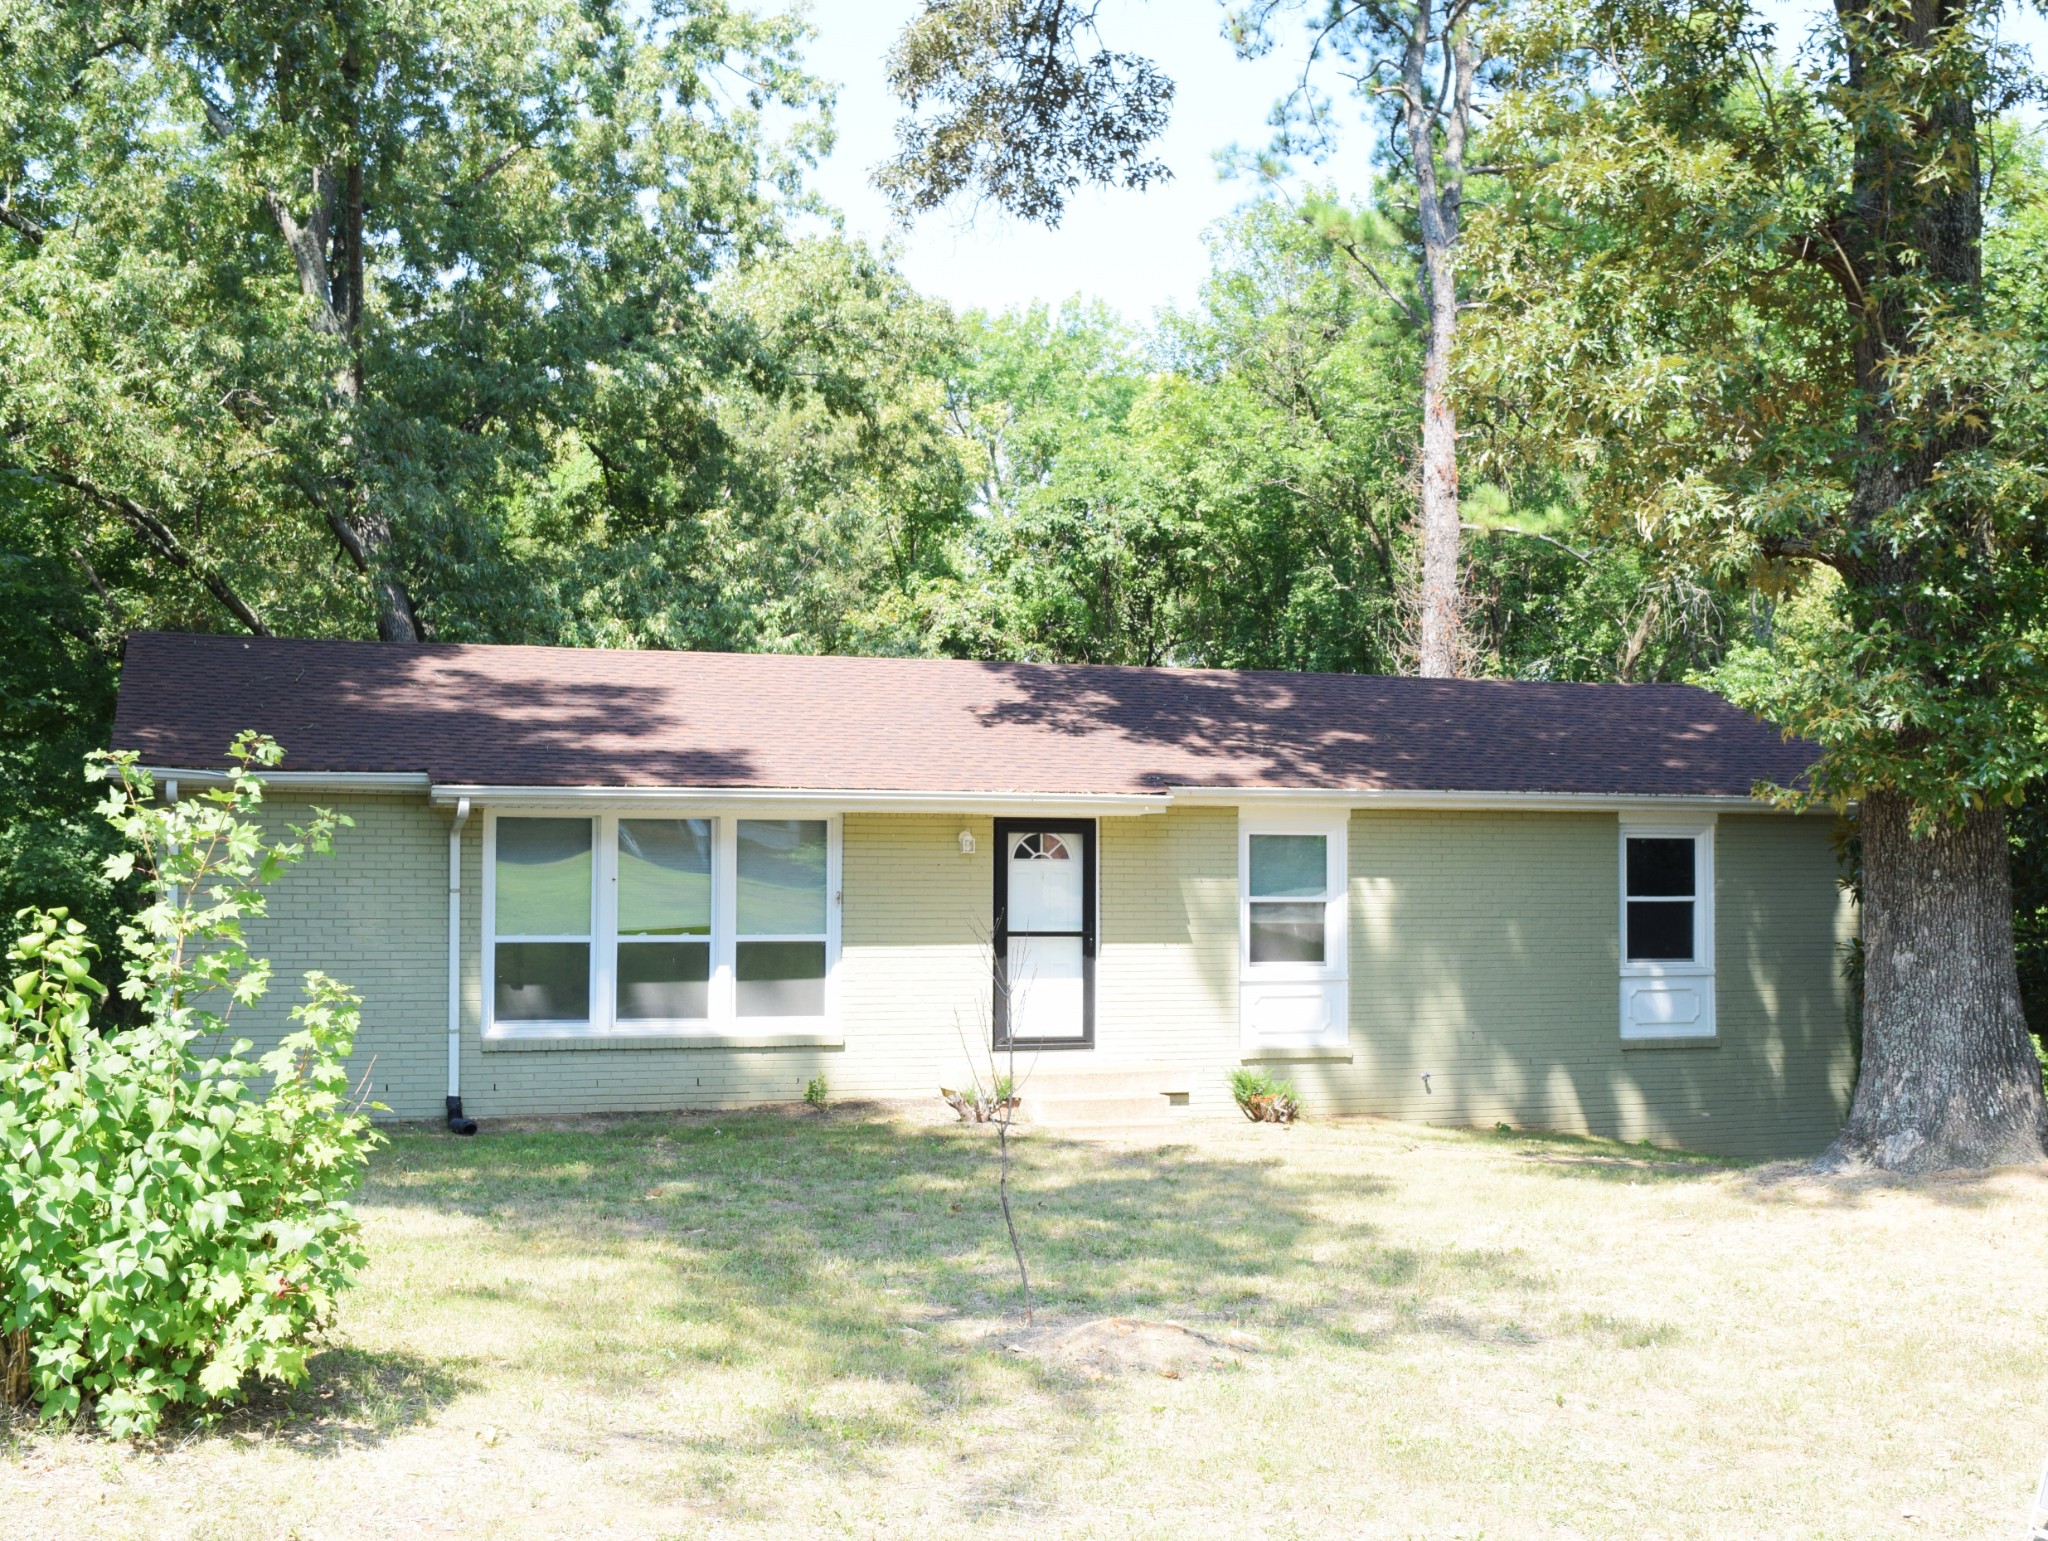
(631, 925)
(1292, 922)
(1667, 932)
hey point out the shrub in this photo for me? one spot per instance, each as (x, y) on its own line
(978, 1104)
(174, 1228)
(818, 1093)
(1264, 1098)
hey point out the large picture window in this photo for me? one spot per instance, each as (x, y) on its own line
(636, 926)
(543, 920)
(779, 967)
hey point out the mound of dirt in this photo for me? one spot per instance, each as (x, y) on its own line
(1130, 1345)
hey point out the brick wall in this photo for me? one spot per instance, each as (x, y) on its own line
(1484, 950)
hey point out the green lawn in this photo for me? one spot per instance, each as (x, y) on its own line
(791, 1325)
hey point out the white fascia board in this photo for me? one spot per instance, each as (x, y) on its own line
(838, 801)
(310, 781)
(1529, 802)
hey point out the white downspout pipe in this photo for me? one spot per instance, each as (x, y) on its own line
(456, 1121)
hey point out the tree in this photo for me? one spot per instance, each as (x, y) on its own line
(304, 299)
(1752, 302)
(1020, 114)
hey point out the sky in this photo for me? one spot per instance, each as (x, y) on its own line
(1137, 251)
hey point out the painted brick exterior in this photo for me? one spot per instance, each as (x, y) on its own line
(1484, 950)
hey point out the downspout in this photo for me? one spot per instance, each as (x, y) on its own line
(456, 1121)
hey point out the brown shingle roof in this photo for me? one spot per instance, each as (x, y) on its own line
(534, 716)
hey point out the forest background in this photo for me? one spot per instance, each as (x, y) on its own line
(581, 357)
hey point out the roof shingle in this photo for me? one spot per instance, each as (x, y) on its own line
(535, 716)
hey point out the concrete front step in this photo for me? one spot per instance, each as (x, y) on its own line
(1104, 1096)
(1046, 1079)
(1098, 1112)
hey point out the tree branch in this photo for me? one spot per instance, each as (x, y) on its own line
(160, 539)
(1509, 529)
(21, 224)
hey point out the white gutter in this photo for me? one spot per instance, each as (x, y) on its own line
(453, 794)
(318, 781)
(456, 1121)
(1532, 802)
(838, 800)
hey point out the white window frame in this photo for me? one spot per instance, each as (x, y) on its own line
(1299, 983)
(602, 1021)
(1687, 983)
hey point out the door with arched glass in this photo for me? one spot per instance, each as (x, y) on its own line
(1045, 934)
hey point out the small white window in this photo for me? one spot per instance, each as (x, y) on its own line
(1667, 932)
(1292, 876)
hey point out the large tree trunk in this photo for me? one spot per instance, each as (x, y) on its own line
(1439, 191)
(1441, 620)
(1949, 1077)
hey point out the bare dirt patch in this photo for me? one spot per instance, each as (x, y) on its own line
(1130, 1345)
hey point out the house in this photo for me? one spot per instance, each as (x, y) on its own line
(585, 880)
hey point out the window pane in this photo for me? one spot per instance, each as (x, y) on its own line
(1289, 866)
(542, 982)
(664, 979)
(664, 877)
(782, 877)
(1287, 933)
(543, 877)
(781, 979)
(1661, 869)
(1660, 932)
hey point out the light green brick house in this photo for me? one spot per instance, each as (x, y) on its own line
(584, 880)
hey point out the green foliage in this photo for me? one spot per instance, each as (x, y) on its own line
(177, 1227)
(59, 648)
(327, 310)
(817, 1093)
(1691, 299)
(1019, 108)
(1263, 1097)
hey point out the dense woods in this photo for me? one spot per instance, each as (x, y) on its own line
(505, 321)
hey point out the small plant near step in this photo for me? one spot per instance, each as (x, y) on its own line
(980, 1104)
(818, 1093)
(1264, 1098)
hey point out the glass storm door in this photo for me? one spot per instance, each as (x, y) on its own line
(1045, 934)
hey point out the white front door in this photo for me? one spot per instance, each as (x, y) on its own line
(1045, 934)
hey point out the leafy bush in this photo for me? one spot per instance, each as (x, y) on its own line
(174, 1229)
(818, 1093)
(1264, 1098)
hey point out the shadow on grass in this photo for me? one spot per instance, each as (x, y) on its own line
(857, 1269)
(349, 1399)
(1577, 1155)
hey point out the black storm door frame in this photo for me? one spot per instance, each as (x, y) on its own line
(1007, 830)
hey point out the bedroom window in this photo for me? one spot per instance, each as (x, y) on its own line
(1667, 932)
(1295, 993)
(1290, 896)
(619, 925)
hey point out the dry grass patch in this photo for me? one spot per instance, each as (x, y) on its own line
(772, 1325)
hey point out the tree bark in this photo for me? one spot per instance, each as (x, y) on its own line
(1949, 1078)
(1439, 190)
